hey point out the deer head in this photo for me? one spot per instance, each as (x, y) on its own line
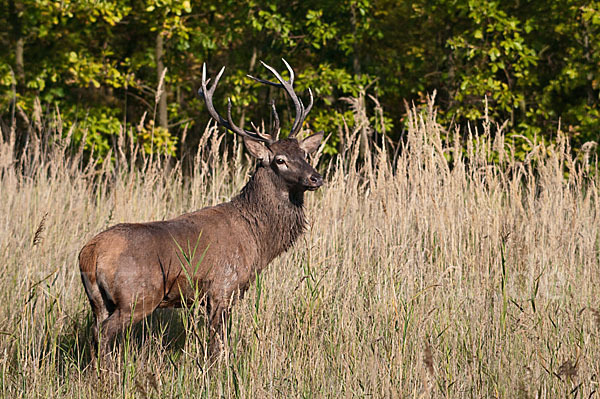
(287, 158)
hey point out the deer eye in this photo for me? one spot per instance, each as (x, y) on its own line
(280, 161)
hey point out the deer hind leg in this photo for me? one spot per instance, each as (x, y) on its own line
(100, 307)
(120, 319)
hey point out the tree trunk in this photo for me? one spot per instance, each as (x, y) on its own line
(161, 95)
(19, 63)
(17, 36)
(355, 55)
(588, 59)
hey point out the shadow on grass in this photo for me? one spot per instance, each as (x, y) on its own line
(164, 330)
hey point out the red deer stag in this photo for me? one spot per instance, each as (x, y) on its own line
(131, 269)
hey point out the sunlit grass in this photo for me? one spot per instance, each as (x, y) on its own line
(442, 272)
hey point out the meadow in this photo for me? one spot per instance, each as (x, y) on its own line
(443, 268)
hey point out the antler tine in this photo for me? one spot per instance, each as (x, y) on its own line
(255, 135)
(267, 82)
(275, 126)
(207, 94)
(310, 104)
(290, 70)
(288, 87)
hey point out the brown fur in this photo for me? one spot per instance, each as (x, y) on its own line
(131, 269)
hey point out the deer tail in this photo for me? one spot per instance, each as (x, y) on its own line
(88, 264)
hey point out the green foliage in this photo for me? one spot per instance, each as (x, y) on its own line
(99, 125)
(496, 62)
(535, 64)
(156, 139)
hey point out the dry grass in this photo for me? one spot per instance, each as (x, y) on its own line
(440, 274)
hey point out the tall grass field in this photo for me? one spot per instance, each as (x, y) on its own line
(436, 269)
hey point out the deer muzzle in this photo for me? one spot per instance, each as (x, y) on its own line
(313, 182)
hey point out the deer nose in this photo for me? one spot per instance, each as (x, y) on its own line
(312, 181)
(316, 180)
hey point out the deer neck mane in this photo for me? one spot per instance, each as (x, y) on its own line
(274, 214)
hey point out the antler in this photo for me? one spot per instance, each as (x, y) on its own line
(207, 94)
(288, 86)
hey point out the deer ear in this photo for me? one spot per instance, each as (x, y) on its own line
(311, 143)
(258, 150)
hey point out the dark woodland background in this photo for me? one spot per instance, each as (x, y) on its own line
(95, 66)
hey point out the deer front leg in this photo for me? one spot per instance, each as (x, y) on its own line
(219, 314)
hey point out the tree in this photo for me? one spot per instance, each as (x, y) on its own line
(101, 63)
